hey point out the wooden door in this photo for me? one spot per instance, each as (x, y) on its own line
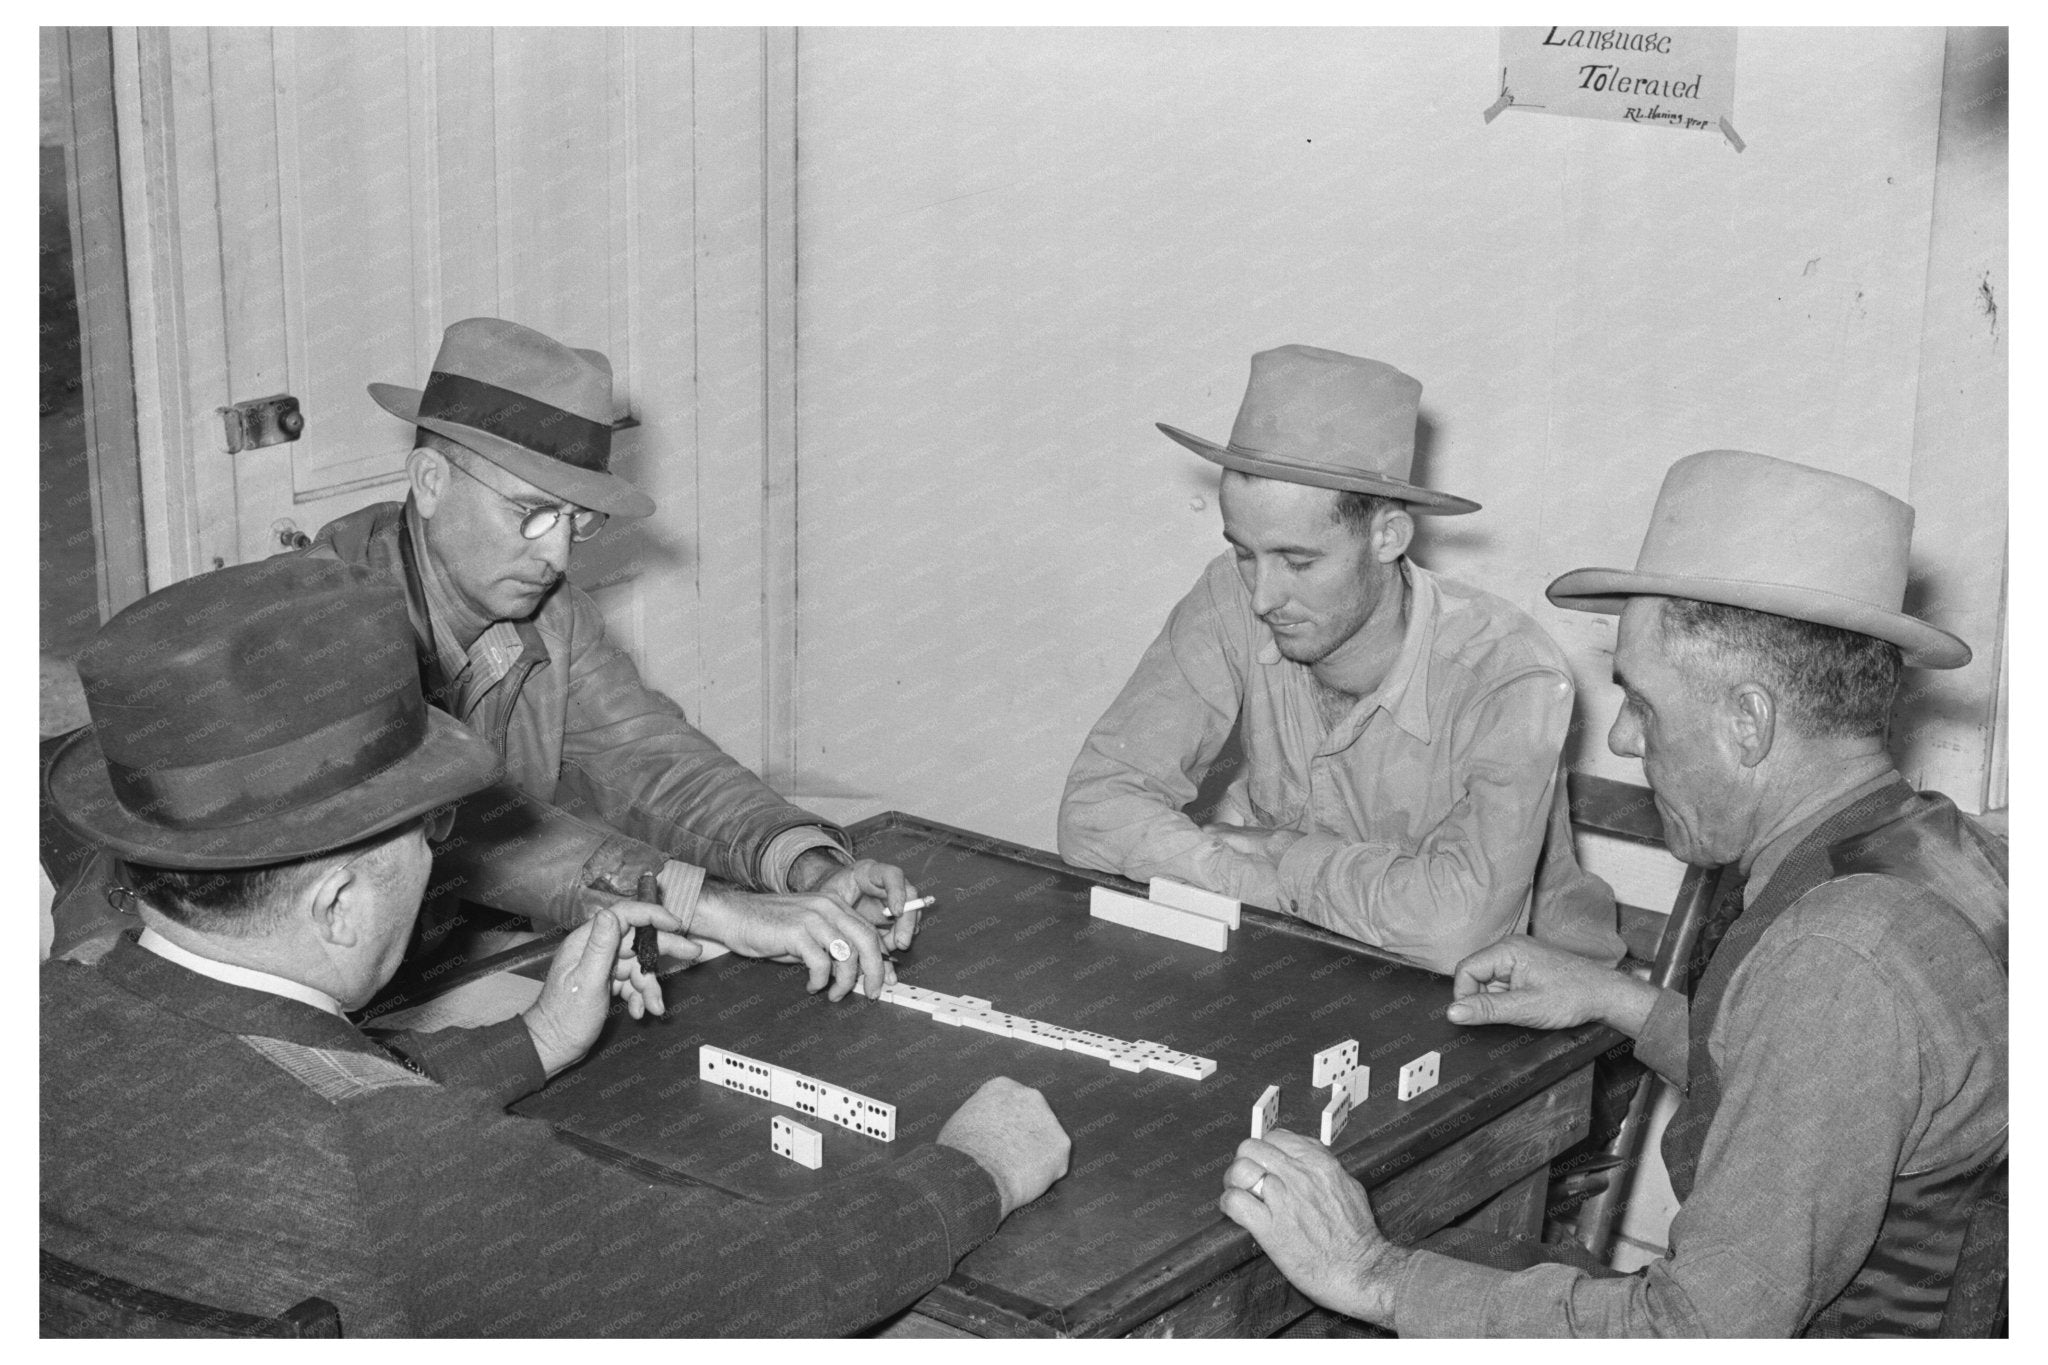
(314, 206)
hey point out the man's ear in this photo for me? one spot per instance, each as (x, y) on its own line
(1393, 530)
(1754, 715)
(427, 471)
(334, 914)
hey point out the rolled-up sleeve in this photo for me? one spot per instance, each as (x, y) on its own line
(1466, 882)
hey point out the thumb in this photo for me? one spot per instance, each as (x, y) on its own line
(1483, 1008)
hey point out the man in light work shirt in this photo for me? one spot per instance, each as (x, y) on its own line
(1841, 1045)
(1402, 732)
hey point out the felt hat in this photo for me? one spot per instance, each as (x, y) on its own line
(258, 714)
(1330, 420)
(1750, 531)
(527, 403)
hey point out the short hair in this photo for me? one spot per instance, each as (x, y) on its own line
(1831, 683)
(445, 446)
(1356, 510)
(239, 902)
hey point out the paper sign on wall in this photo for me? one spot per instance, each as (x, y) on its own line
(1667, 77)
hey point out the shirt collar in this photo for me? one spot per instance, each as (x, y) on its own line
(247, 977)
(1766, 863)
(1405, 691)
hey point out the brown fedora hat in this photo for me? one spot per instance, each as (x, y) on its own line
(1747, 530)
(258, 714)
(1330, 420)
(526, 402)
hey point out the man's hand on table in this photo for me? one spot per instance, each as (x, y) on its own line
(1315, 1222)
(1521, 981)
(1012, 1134)
(594, 963)
(873, 890)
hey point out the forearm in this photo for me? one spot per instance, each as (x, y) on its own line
(517, 853)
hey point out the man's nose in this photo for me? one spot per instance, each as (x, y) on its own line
(552, 547)
(1625, 737)
(1266, 591)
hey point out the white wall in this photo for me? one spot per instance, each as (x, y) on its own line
(1017, 250)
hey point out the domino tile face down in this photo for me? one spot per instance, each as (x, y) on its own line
(1181, 896)
(1150, 918)
(805, 1094)
(1335, 1061)
(804, 1146)
(1266, 1113)
(1420, 1075)
(1336, 1113)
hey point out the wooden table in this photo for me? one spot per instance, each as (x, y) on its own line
(1130, 1242)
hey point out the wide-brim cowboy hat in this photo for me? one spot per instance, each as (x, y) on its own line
(527, 403)
(1329, 420)
(1747, 530)
(259, 714)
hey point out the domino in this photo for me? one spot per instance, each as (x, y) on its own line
(735, 1072)
(782, 1086)
(1266, 1113)
(1163, 920)
(1043, 1034)
(1419, 1075)
(859, 1113)
(1181, 1064)
(998, 1024)
(1336, 1113)
(951, 1017)
(1333, 1062)
(1181, 896)
(804, 1146)
(1360, 1082)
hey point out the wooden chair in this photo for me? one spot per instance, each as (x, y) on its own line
(77, 1302)
(1601, 805)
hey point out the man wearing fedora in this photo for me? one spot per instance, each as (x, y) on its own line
(213, 1127)
(605, 779)
(1402, 733)
(1841, 1045)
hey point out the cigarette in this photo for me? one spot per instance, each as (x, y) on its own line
(920, 903)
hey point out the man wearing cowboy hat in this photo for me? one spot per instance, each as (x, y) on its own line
(605, 779)
(1401, 732)
(1841, 1047)
(214, 1128)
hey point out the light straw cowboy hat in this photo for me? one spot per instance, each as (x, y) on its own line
(1747, 530)
(1330, 420)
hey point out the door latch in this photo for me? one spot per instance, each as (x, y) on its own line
(262, 422)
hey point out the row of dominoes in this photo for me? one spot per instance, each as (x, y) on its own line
(1186, 914)
(806, 1095)
(966, 1011)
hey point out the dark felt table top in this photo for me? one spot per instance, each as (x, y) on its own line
(1012, 926)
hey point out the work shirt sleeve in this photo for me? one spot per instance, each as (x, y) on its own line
(1147, 755)
(1665, 1044)
(1466, 883)
(493, 1228)
(1821, 1071)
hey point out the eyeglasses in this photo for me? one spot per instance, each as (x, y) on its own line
(583, 522)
